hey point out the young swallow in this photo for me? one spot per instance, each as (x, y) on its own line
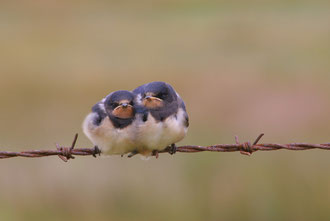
(110, 125)
(165, 120)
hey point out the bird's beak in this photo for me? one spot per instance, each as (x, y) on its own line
(149, 98)
(152, 102)
(152, 98)
(124, 105)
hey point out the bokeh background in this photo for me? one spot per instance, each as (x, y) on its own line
(242, 67)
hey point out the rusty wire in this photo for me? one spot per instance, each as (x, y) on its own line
(66, 153)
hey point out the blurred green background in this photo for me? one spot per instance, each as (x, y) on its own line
(242, 67)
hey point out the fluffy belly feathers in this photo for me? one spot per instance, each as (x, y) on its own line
(153, 135)
(142, 136)
(109, 139)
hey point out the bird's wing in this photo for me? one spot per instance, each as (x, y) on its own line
(183, 106)
(140, 110)
(99, 110)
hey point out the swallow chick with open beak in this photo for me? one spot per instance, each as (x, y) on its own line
(110, 125)
(165, 121)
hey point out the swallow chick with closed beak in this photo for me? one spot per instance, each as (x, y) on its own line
(110, 125)
(165, 120)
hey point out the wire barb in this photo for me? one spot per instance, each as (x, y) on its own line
(66, 152)
(246, 148)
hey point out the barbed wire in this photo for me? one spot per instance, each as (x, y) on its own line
(246, 148)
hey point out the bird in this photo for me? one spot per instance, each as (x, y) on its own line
(162, 120)
(111, 124)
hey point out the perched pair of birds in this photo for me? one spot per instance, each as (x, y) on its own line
(144, 121)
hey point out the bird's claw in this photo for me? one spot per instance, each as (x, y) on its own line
(155, 153)
(96, 151)
(172, 149)
(132, 154)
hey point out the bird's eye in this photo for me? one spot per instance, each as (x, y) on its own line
(161, 95)
(114, 105)
(131, 103)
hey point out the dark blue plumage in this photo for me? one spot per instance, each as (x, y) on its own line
(112, 101)
(166, 93)
(164, 116)
(101, 114)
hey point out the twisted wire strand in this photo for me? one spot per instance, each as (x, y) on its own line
(66, 153)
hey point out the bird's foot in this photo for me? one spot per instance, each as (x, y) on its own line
(132, 154)
(96, 151)
(155, 153)
(172, 149)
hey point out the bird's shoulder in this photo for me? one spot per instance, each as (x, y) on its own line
(100, 113)
(183, 107)
(139, 89)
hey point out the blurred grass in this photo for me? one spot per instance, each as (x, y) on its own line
(242, 68)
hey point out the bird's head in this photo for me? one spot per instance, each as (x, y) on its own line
(158, 95)
(120, 104)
